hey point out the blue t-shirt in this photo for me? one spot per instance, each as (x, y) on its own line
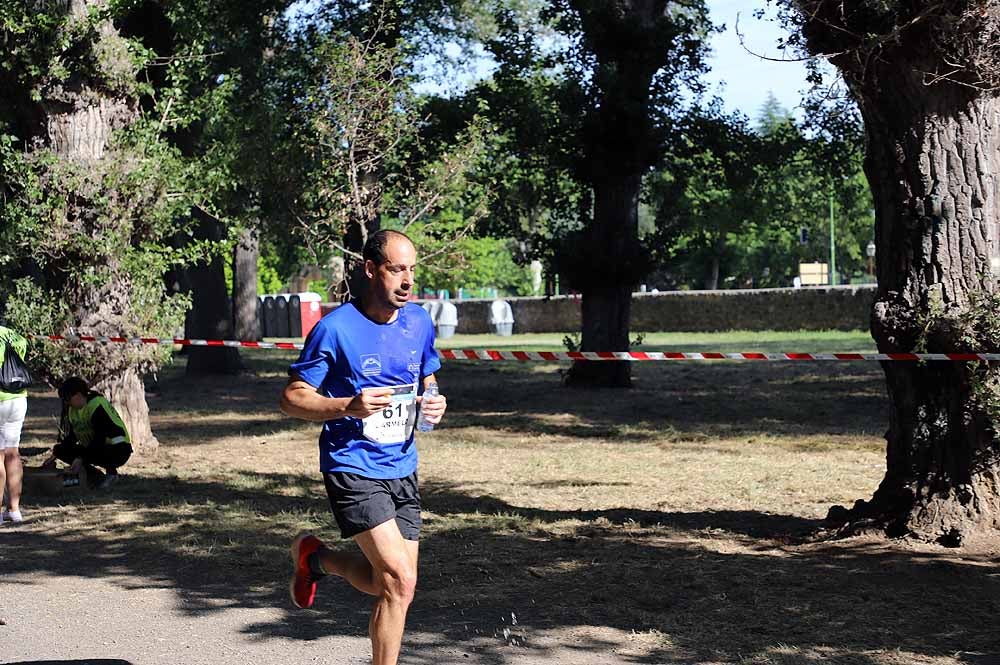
(346, 352)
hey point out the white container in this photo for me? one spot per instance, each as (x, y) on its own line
(502, 317)
(447, 320)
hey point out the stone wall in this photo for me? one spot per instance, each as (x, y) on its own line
(807, 308)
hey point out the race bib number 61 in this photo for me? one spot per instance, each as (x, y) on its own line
(394, 423)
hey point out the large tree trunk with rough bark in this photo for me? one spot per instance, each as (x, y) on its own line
(78, 127)
(246, 321)
(932, 164)
(932, 161)
(358, 232)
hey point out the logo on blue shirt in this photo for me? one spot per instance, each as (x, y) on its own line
(371, 365)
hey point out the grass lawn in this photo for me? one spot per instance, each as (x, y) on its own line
(675, 522)
(769, 341)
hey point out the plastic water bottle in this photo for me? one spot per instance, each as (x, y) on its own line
(430, 391)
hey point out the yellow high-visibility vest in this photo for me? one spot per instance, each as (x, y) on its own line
(83, 428)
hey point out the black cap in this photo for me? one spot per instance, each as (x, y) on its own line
(72, 386)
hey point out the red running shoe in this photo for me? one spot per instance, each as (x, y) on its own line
(303, 585)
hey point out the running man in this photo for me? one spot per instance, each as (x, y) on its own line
(359, 374)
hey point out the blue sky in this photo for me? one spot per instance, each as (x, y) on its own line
(741, 79)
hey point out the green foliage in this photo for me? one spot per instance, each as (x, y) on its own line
(736, 197)
(98, 233)
(474, 263)
(539, 197)
(572, 342)
(269, 278)
(358, 159)
(47, 50)
(584, 94)
(89, 236)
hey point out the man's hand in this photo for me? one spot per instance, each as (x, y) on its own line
(369, 401)
(433, 408)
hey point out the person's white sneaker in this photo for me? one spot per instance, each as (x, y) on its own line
(13, 516)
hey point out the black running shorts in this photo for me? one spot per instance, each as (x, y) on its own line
(360, 503)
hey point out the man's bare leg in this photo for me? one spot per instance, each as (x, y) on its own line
(393, 560)
(352, 566)
(355, 568)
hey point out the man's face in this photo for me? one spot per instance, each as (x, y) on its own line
(392, 281)
(77, 401)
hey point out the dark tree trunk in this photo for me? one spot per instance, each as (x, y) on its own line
(631, 41)
(932, 160)
(246, 321)
(611, 241)
(211, 314)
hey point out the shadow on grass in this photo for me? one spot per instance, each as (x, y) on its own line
(717, 585)
(210, 408)
(725, 398)
(711, 399)
(683, 400)
(979, 658)
(82, 661)
(710, 342)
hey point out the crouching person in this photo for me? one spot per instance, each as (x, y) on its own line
(91, 434)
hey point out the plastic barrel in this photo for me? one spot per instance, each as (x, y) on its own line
(270, 317)
(281, 307)
(294, 316)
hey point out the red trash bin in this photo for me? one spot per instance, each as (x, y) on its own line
(309, 310)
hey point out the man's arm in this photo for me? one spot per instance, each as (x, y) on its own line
(301, 400)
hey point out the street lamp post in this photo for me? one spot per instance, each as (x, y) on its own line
(833, 245)
(870, 251)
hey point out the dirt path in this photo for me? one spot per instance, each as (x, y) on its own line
(125, 619)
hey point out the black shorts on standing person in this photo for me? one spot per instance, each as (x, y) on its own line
(91, 433)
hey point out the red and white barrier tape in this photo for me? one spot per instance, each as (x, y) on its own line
(552, 356)
(470, 354)
(171, 341)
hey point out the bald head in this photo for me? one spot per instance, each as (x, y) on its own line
(390, 262)
(376, 249)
